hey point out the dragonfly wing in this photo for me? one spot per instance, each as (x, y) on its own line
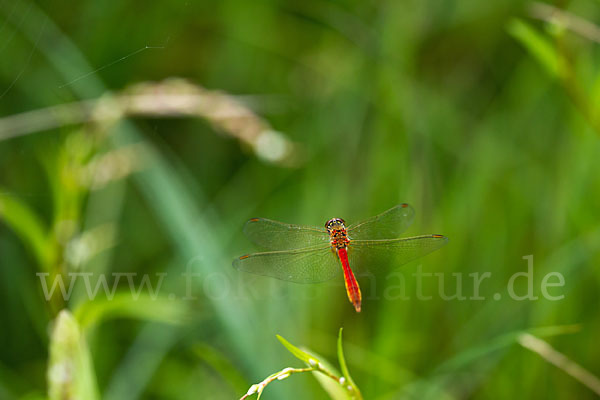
(274, 235)
(387, 225)
(309, 265)
(379, 256)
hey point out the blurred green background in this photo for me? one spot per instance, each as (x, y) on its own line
(480, 114)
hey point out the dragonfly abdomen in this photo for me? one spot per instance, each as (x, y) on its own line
(352, 288)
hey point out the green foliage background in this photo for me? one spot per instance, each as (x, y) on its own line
(477, 113)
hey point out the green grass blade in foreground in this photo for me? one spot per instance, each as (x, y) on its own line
(342, 361)
(70, 370)
(299, 354)
(335, 390)
(325, 373)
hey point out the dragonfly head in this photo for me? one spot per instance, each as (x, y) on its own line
(335, 224)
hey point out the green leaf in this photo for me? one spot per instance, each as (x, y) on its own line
(537, 44)
(145, 307)
(28, 226)
(333, 388)
(342, 362)
(299, 354)
(70, 371)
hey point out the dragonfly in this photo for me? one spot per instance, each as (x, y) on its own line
(311, 254)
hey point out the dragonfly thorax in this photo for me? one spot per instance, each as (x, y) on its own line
(336, 227)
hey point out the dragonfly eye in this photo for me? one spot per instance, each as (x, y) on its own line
(335, 223)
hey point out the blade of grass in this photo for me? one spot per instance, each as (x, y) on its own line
(472, 354)
(299, 354)
(70, 371)
(561, 361)
(145, 307)
(539, 47)
(342, 362)
(28, 226)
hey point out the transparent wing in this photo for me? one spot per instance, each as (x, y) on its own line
(379, 256)
(310, 265)
(387, 225)
(274, 235)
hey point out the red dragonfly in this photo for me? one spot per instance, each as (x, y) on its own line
(309, 254)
